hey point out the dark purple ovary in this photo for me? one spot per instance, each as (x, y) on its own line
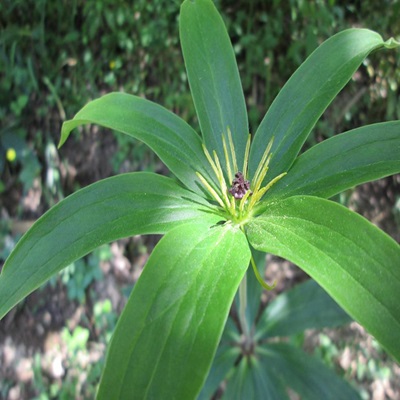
(240, 186)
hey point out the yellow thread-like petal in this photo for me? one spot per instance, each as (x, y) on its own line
(210, 160)
(221, 179)
(227, 159)
(233, 153)
(243, 202)
(261, 165)
(211, 190)
(246, 157)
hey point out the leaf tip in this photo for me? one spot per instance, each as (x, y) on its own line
(392, 43)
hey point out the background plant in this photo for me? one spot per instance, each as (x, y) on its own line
(277, 332)
(257, 63)
(35, 72)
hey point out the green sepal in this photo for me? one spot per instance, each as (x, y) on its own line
(173, 321)
(343, 161)
(122, 206)
(307, 94)
(171, 138)
(353, 260)
(213, 76)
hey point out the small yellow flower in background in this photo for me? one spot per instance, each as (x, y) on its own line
(11, 154)
(112, 64)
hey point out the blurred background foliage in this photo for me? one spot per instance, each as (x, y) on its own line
(55, 56)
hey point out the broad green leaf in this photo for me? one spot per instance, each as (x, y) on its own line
(306, 306)
(251, 382)
(171, 138)
(307, 94)
(353, 260)
(111, 209)
(266, 385)
(168, 333)
(240, 382)
(305, 374)
(343, 161)
(213, 76)
(223, 363)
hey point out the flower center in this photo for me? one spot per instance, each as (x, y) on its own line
(237, 201)
(240, 186)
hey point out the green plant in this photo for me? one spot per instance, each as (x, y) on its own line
(104, 320)
(259, 355)
(80, 376)
(232, 196)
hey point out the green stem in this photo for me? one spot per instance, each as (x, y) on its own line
(243, 305)
(259, 278)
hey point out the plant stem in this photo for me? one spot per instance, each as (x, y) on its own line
(242, 306)
(259, 278)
